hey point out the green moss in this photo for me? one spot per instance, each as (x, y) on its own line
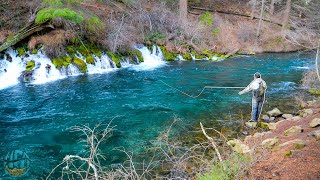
(207, 53)
(97, 52)
(288, 153)
(198, 56)
(21, 52)
(30, 65)
(34, 51)
(227, 169)
(299, 146)
(82, 66)
(314, 91)
(132, 54)
(68, 59)
(114, 58)
(58, 62)
(264, 125)
(84, 51)
(187, 56)
(168, 56)
(71, 49)
(90, 59)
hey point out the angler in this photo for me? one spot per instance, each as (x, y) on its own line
(258, 87)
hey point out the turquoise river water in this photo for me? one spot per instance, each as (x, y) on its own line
(36, 118)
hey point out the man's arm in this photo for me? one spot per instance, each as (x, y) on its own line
(247, 89)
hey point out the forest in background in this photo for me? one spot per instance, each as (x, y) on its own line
(180, 26)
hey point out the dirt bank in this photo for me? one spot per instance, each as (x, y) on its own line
(288, 155)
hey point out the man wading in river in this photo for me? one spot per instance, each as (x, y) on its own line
(258, 87)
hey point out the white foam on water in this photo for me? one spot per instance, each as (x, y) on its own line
(152, 59)
(13, 70)
(41, 75)
(102, 65)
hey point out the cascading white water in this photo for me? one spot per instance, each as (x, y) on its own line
(11, 71)
(152, 59)
(102, 65)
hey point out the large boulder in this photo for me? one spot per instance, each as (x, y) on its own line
(315, 122)
(274, 112)
(269, 143)
(238, 146)
(293, 130)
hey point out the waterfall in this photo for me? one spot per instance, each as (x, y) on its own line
(152, 59)
(44, 70)
(10, 71)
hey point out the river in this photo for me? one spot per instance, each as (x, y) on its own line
(35, 117)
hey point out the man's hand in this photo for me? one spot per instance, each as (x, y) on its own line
(240, 93)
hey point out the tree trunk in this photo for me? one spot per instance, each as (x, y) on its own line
(22, 34)
(272, 7)
(286, 16)
(183, 10)
(260, 18)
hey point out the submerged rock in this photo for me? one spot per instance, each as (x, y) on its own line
(26, 76)
(315, 122)
(274, 112)
(292, 130)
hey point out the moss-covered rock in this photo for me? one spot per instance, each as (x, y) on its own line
(207, 53)
(134, 55)
(21, 52)
(168, 56)
(84, 51)
(198, 56)
(96, 51)
(58, 62)
(187, 56)
(34, 51)
(90, 59)
(314, 91)
(30, 65)
(82, 66)
(114, 58)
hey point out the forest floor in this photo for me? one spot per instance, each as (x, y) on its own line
(294, 156)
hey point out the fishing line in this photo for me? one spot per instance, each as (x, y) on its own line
(218, 87)
(205, 87)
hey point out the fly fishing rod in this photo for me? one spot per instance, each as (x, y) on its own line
(205, 87)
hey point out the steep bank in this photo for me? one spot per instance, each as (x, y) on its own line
(290, 150)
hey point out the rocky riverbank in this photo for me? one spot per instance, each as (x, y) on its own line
(289, 149)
